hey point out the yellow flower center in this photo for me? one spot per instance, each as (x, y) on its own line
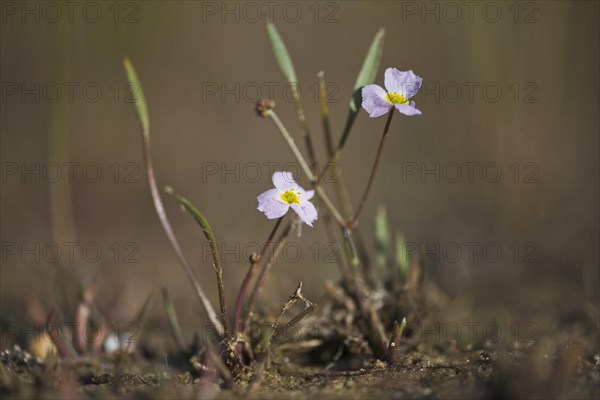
(290, 197)
(396, 98)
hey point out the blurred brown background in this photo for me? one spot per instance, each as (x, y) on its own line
(201, 64)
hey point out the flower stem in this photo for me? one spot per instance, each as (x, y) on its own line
(305, 168)
(374, 170)
(258, 286)
(335, 173)
(255, 263)
(325, 113)
(305, 132)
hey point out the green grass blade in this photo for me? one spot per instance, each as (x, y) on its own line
(202, 221)
(366, 76)
(138, 95)
(210, 236)
(402, 260)
(282, 56)
(382, 236)
(370, 66)
(142, 111)
(287, 67)
(173, 320)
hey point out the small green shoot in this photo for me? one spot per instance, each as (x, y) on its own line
(402, 260)
(382, 236)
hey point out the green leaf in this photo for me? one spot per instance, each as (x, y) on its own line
(173, 321)
(402, 326)
(200, 219)
(283, 58)
(401, 257)
(366, 76)
(382, 236)
(214, 247)
(369, 69)
(138, 95)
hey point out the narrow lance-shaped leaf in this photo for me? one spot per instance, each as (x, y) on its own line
(138, 95)
(210, 236)
(382, 236)
(287, 67)
(366, 76)
(283, 58)
(142, 112)
(172, 318)
(402, 260)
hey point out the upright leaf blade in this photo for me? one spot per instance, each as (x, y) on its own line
(285, 64)
(210, 236)
(173, 321)
(142, 111)
(366, 76)
(287, 67)
(281, 54)
(402, 260)
(138, 95)
(369, 69)
(382, 236)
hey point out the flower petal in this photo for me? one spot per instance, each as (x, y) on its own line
(306, 211)
(305, 194)
(408, 109)
(269, 194)
(404, 82)
(374, 102)
(273, 209)
(284, 181)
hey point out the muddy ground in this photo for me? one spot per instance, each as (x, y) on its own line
(437, 372)
(557, 359)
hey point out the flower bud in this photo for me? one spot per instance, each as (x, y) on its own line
(263, 105)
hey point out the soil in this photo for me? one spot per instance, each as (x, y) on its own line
(545, 363)
(435, 372)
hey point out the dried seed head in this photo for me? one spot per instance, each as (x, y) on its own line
(263, 105)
